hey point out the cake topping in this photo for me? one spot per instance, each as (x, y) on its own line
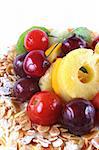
(63, 114)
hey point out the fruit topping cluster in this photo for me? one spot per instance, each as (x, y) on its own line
(58, 75)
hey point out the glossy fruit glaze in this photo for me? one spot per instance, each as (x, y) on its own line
(36, 40)
(72, 43)
(44, 108)
(36, 63)
(24, 89)
(18, 65)
(78, 116)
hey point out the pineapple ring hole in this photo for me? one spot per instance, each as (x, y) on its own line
(85, 74)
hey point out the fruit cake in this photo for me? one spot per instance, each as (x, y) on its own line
(49, 91)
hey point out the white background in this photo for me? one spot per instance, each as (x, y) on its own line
(18, 15)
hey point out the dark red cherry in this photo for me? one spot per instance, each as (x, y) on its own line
(36, 63)
(78, 116)
(72, 43)
(18, 65)
(24, 89)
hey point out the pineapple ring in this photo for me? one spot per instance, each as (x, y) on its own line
(54, 73)
(68, 82)
(97, 48)
(53, 52)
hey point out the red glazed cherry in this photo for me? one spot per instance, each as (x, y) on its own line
(95, 41)
(36, 63)
(78, 116)
(36, 40)
(18, 65)
(24, 89)
(72, 43)
(44, 108)
(95, 101)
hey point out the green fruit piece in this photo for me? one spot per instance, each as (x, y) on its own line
(84, 33)
(20, 43)
(57, 36)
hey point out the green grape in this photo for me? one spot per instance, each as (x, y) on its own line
(84, 33)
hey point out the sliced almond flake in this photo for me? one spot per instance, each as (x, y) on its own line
(34, 126)
(62, 130)
(12, 78)
(20, 115)
(44, 142)
(9, 69)
(16, 106)
(45, 135)
(76, 138)
(2, 67)
(5, 63)
(21, 135)
(43, 129)
(54, 131)
(24, 106)
(2, 60)
(81, 142)
(11, 123)
(26, 139)
(89, 147)
(70, 145)
(1, 101)
(78, 142)
(29, 147)
(63, 139)
(1, 73)
(59, 148)
(2, 147)
(1, 132)
(86, 142)
(35, 140)
(38, 147)
(12, 145)
(2, 111)
(26, 126)
(39, 136)
(9, 113)
(95, 142)
(17, 128)
(51, 139)
(91, 135)
(3, 140)
(66, 135)
(1, 84)
(23, 120)
(57, 125)
(30, 132)
(57, 143)
(14, 135)
(4, 123)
